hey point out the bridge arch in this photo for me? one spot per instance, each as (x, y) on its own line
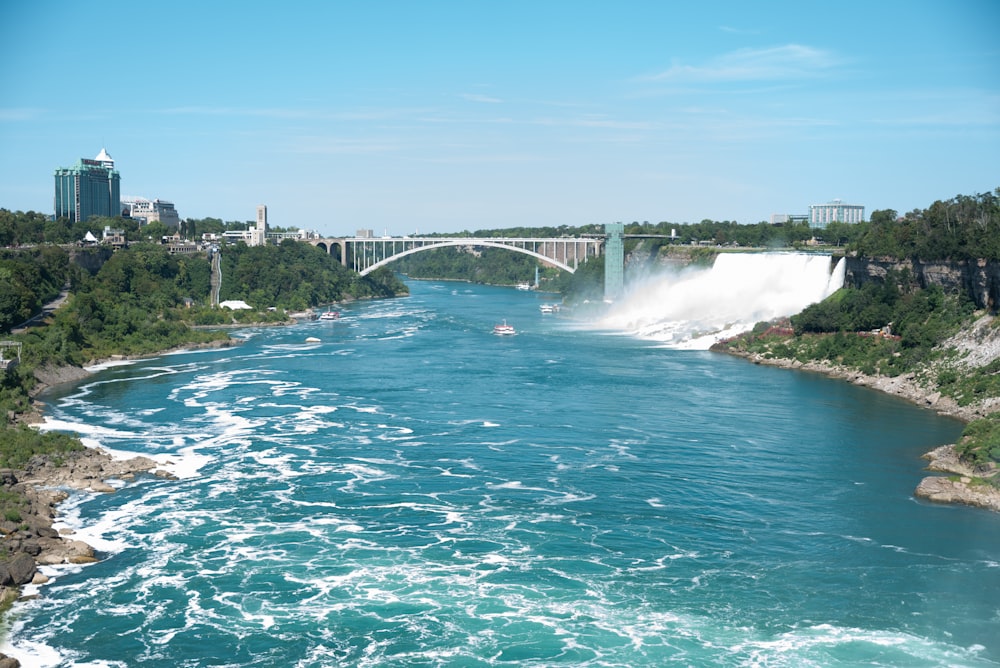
(331, 246)
(466, 242)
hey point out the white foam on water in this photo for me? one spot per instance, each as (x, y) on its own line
(694, 308)
(88, 433)
(94, 368)
(820, 645)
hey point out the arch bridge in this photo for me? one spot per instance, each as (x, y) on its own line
(366, 254)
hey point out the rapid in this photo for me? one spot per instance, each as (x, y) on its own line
(414, 491)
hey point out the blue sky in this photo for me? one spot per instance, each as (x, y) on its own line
(439, 116)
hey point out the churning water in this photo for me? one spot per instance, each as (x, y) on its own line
(694, 307)
(413, 491)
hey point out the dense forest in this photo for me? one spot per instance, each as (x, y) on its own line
(143, 299)
(295, 276)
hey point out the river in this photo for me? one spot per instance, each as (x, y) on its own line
(412, 490)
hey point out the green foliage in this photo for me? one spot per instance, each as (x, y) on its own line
(19, 228)
(962, 228)
(980, 442)
(846, 329)
(11, 505)
(295, 276)
(586, 284)
(921, 318)
(28, 279)
(493, 266)
(19, 444)
(970, 385)
(15, 387)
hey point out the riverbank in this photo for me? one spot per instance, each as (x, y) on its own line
(28, 540)
(978, 345)
(52, 375)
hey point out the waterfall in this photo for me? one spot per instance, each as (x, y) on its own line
(695, 307)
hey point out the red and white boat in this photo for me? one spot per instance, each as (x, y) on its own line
(503, 329)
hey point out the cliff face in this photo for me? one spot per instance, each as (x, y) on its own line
(91, 259)
(980, 279)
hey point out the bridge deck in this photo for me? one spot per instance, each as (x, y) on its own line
(366, 254)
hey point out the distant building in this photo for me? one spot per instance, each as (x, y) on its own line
(114, 238)
(788, 218)
(820, 215)
(146, 211)
(258, 235)
(90, 188)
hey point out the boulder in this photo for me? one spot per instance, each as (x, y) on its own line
(18, 570)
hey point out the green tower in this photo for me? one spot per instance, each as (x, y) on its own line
(91, 188)
(614, 261)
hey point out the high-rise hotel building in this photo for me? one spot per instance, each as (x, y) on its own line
(91, 188)
(820, 215)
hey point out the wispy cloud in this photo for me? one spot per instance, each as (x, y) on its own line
(232, 111)
(340, 146)
(738, 31)
(476, 97)
(792, 61)
(19, 114)
(372, 114)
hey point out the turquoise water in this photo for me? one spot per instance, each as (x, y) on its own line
(413, 491)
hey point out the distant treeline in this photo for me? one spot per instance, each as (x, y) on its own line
(957, 229)
(963, 227)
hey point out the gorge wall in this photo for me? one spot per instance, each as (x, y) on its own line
(980, 279)
(91, 259)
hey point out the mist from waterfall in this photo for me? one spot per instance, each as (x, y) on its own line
(694, 307)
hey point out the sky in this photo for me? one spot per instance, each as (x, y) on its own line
(421, 116)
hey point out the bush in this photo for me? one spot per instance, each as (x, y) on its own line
(980, 442)
(19, 444)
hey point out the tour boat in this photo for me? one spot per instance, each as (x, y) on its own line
(548, 308)
(524, 285)
(504, 329)
(330, 315)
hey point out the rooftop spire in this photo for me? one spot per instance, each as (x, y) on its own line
(103, 157)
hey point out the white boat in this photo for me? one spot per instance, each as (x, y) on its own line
(329, 315)
(548, 308)
(503, 329)
(524, 285)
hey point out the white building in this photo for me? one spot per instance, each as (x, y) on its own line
(820, 215)
(146, 211)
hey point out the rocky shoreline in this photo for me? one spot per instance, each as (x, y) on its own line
(29, 540)
(963, 484)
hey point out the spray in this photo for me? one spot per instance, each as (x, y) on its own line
(695, 307)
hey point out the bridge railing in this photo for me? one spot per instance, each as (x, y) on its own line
(365, 254)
